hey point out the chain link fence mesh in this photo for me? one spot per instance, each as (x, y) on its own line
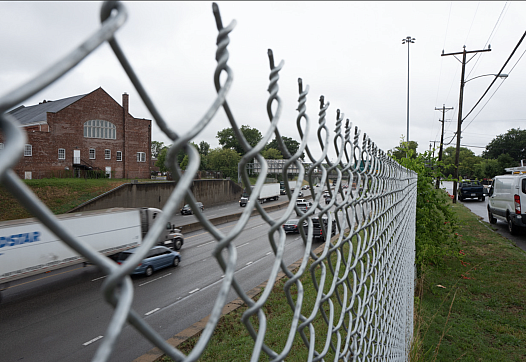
(365, 291)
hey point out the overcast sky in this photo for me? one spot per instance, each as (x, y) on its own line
(350, 52)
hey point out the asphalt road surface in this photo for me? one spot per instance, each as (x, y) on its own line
(481, 209)
(61, 316)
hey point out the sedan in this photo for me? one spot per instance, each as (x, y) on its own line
(187, 210)
(157, 258)
(291, 226)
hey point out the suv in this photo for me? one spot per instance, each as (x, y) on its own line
(317, 232)
(506, 197)
(471, 189)
(303, 206)
(187, 210)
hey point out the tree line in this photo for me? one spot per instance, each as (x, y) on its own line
(504, 151)
(225, 158)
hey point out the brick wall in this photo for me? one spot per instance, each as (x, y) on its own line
(65, 129)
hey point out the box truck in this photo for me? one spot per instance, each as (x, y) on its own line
(269, 192)
(28, 248)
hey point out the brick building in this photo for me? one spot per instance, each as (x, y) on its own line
(85, 132)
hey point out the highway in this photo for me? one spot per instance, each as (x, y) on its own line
(61, 316)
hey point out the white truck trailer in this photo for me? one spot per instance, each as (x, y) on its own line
(27, 247)
(269, 192)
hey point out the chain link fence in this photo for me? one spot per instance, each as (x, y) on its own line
(371, 283)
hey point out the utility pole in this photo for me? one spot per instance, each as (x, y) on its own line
(443, 109)
(460, 101)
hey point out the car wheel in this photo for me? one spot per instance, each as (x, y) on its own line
(175, 262)
(149, 271)
(482, 198)
(178, 243)
(492, 219)
(511, 226)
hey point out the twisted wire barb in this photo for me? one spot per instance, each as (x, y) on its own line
(363, 276)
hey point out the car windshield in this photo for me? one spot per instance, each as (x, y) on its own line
(291, 222)
(187, 206)
(124, 255)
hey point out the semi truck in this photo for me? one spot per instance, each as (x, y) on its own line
(28, 248)
(283, 190)
(269, 192)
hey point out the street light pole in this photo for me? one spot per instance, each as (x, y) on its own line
(408, 40)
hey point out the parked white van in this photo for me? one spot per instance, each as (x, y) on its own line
(507, 201)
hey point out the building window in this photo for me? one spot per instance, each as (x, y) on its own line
(61, 154)
(107, 154)
(100, 129)
(91, 153)
(28, 150)
(119, 155)
(141, 156)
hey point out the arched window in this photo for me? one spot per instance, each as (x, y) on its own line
(100, 129)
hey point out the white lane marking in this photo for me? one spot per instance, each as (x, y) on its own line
(153, 280)
(242, 245)
(93, 280)
(250, 262)
(91, 341)
(268, 253)
(193, 291)
(152, 311)
(210, 242)
(257, 226)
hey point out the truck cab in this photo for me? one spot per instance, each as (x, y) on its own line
(471, 189)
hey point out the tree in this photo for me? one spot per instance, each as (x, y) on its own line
(467, 162)
(291, 144)
(512, 142)
(156, 148)
(224, 160)
(204, 148)
(271, 154)
(228, 140)
(400, 151)
(161, 158)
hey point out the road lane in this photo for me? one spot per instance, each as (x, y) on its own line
(66, 318)
(481, 209)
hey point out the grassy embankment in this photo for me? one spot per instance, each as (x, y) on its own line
(468, 308)
(59, 195)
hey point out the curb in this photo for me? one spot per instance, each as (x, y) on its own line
(155, 353)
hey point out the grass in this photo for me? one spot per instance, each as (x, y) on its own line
(469, 308)
(60, 194)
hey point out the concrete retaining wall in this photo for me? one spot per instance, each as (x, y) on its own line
(155, 194)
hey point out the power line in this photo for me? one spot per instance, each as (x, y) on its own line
(494, 80)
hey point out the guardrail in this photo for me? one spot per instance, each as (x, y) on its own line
(374, 290)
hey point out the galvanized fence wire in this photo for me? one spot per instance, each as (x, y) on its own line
(363, 276)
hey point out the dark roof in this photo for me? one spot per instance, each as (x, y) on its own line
(38, 113)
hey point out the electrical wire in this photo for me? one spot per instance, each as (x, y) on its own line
(494, 80)
(487, 41)
(495, 91)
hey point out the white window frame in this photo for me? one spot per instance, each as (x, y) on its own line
(141, 156)
(119, 156)
(28, 150)
(94, 154)
(107, 154)
(96, 128)
(61, 153)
